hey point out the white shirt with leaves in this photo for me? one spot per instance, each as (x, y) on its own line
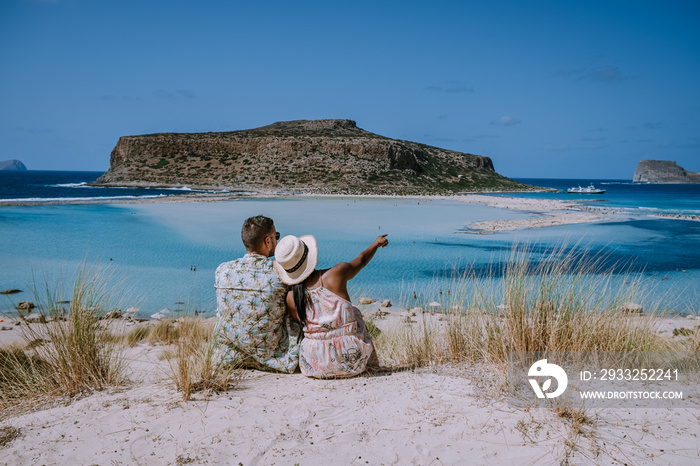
(253, 326)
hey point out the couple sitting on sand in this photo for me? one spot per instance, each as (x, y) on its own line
(264, 305)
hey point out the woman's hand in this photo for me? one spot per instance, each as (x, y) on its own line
(381, 241)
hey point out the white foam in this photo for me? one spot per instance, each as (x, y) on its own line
(69, 185)
(69, 199)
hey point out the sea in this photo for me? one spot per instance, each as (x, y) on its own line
(162, 256)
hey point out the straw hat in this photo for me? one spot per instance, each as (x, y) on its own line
(295, 258)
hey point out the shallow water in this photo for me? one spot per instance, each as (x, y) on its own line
(150, 248)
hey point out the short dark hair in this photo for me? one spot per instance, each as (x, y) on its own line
(254, 231)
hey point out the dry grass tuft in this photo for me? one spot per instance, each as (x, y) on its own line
(556, 301)
(198, 366)
(22, 375)
(70, 354)
(137, 334)
(560, 301)
(164, 331)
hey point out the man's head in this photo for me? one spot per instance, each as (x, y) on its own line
(259, 235)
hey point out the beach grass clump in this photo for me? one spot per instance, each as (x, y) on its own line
(553, 300)
(165, 331)
(23, 375)
(413, 343)
(198, 366)
(73, 352)
(562, 300)
(137, 334)
(81, 353)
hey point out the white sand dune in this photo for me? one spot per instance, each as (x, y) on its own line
(433, 416)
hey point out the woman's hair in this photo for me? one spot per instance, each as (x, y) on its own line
(301, 298)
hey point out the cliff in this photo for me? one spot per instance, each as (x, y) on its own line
(663, 171)
(321, 156)
(12, 165)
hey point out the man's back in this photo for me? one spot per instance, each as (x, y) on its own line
(252, 323)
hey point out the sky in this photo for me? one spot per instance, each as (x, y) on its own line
(547, 89)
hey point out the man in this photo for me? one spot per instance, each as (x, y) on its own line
(253, 326)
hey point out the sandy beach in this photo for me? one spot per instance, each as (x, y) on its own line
(545, 213)
(448, 414)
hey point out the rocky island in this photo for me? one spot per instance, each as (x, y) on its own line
(663, 171)
(312, 156)
(12, 165)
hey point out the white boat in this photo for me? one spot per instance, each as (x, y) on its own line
(587, 190)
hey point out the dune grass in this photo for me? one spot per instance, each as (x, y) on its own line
(198, 366)
(70, 354)
(559, 300)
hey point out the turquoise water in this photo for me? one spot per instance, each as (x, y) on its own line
(634, 198)
(150, 248)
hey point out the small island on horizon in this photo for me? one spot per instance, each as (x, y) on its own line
(12, 165)
(663, 172)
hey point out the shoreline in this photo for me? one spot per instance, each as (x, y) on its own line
(544, 212)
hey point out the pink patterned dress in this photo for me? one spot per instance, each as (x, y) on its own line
(336, 342)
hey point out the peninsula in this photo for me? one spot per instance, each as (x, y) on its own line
(309, 156)
(663, 171)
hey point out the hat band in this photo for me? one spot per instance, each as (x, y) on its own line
(301, 261)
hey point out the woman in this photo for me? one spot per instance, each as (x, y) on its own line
(336, 342)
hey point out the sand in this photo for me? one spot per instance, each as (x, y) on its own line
(438, 415)
(545, 213)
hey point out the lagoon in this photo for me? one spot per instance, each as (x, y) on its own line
(150, 248)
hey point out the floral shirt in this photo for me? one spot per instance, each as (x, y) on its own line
(253, 325)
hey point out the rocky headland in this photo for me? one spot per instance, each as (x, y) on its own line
(311, 156)
(12, 165)
(663, 171)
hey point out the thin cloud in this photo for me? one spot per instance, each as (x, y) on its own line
(562, 73)
(592, 139)
(167, 95)
(691, 143)
(161, 94)
(555, 147)
(654, 125)
(506, 120)
(186, 93)
(609, 74)
(451, 87)
(33, 130)
(650, 125)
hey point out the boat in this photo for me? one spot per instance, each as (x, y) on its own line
(590, 189)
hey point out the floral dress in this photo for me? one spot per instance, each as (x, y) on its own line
(253, 327)
(336, 342)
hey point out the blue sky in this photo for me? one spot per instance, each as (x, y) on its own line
(556, 89)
